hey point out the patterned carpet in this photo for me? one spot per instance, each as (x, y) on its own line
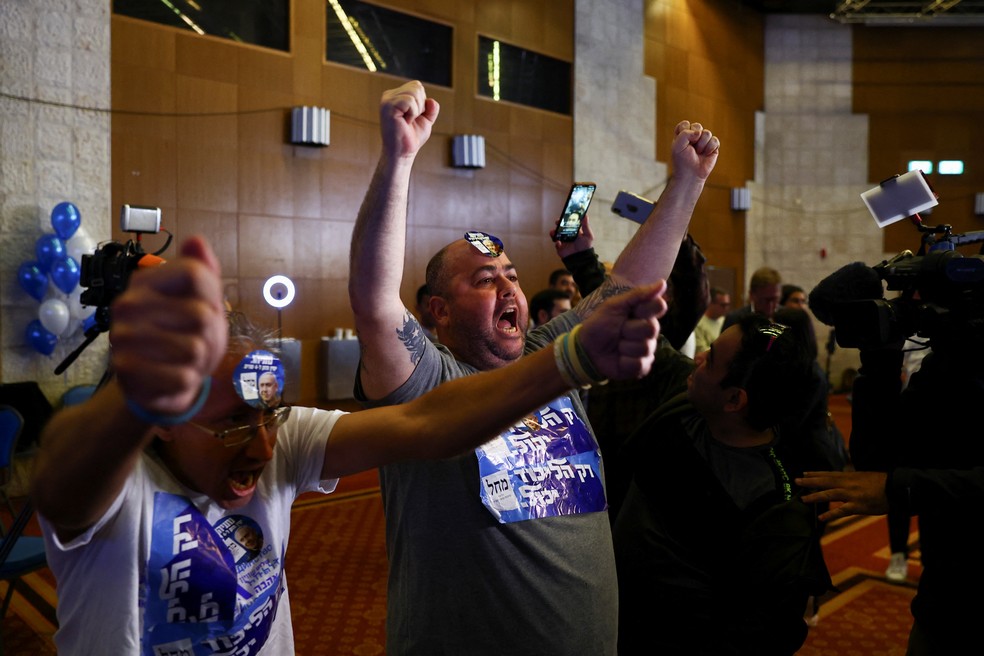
(867, 616)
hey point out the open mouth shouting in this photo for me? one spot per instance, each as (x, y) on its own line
(508, 322)
(243, 482)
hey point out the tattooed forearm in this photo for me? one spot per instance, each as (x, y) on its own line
(610, 287)
(412, 336)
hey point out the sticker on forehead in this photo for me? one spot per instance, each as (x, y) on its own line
(485, 243)
(259, 379)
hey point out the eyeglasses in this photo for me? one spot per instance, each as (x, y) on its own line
(243, 434)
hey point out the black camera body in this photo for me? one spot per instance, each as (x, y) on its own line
(105, 273)
(941, 296)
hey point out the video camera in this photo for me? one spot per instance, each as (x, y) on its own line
(941, 292)
(106, 272)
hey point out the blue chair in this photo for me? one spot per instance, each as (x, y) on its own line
(19, 555)
(11, 425)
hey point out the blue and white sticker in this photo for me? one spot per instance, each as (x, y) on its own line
(208, 590)
(546, 465)
(485, 243)
(259, 380)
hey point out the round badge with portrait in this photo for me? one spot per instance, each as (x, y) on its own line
(259, 379)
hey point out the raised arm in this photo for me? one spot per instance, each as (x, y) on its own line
(386, 328)
(580, 259)
(650, 254)
(618, 340)
(168, 333)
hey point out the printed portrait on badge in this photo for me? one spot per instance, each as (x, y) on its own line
(259, 379)
(242, 536)
(485, 243)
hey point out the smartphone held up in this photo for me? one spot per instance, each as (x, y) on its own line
(569, 223)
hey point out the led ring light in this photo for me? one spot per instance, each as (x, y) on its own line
(278, 302)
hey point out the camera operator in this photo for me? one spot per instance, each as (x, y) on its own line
(938, 476)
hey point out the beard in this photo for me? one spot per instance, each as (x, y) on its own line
(482, 348)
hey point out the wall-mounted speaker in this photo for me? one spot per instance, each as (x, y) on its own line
(468, 151)
(309, 126)
(741, 199)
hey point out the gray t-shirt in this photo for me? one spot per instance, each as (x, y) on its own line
(460, 582)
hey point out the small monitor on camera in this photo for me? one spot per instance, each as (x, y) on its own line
(899, 197)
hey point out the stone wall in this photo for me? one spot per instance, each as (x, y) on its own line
(54, 146)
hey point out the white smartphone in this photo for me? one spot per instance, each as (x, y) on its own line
(631, 206)
(899, 197)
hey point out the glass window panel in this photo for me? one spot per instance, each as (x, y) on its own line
(381, 40)
(522, 76)
(260, 22)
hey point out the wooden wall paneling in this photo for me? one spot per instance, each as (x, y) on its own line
(271, 207)
(144, 168)
(139, 43)
(924, 109)
(436, 10)
(207, 58)
(306, 164)
(558, 28)
(266, 245)
(350, 93)
(311, 248)
(207, 165)
(207, 144)
(308, 64)
(707, 58)
(266, 167)
(219, 228)
(493, 18)
(344, 184)
(307, 21)
(334, 240)
(528, 22)
(263, 68)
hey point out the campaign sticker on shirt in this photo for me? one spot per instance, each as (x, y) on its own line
(209, 590)
(485, 243)
(546, 465)
(242, 536)
(259, 379)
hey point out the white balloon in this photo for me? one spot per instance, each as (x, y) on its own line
(75, 308)
(54, 315)
(80, 244)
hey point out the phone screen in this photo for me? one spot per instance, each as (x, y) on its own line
(577, 205)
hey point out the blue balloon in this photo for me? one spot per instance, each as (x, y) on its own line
(48, 248)
(65, 274)
(65, 219)
(40, 338)
(32, 279)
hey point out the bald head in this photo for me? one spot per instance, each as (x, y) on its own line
(479, 309)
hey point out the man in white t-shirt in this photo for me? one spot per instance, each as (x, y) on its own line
(165, 498)
(709, 326)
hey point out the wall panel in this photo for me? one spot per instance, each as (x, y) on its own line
(707, 59)
(270, 207)
(928, 107)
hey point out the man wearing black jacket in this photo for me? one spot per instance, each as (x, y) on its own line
(939, 477)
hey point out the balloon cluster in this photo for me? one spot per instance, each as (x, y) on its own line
(52, 279)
